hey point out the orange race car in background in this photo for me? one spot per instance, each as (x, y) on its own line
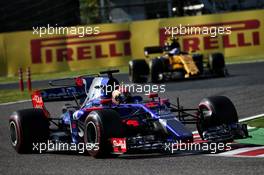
(175, 64)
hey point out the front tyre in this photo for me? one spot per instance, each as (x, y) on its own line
(100, 126)
(156, 69)
(216, 111)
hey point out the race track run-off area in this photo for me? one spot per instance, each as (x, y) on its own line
(244, 86)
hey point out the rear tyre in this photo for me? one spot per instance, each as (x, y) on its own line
(165, 64)
(216, 111)
(100, 126)
(138, 71)
(217, 64)
(26, 127)
(156, 68)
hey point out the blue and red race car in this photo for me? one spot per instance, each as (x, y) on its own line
(118, 122)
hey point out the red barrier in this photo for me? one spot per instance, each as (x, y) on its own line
(29, 79)
(20, 78)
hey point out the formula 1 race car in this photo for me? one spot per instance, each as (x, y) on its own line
(174, 64)
(131, 125)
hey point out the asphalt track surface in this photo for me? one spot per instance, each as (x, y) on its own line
(245, 87)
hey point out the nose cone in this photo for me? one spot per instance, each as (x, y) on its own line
(177, 129)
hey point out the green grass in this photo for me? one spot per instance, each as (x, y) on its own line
(243, 59)
(256, 137)
(54, 75)
(13, 95)
(258, 122)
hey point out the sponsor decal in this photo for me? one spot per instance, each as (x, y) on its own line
(37, 101)
(244, 33)
(70, 48)
(119, 145)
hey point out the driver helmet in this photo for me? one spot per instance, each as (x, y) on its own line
(122, 95)
(174, 51)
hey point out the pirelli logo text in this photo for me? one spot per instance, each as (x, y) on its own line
(245, 33)
(73, 48)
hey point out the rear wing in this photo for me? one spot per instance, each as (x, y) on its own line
(153, 50)
(73, 89)
(38, 97)
(61, 93)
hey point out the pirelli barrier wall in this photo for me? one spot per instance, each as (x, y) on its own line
(116, 44)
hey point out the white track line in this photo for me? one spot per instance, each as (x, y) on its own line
(239, 150)
(15, 102)
(252, 117)
(262, 155)
(236, 152)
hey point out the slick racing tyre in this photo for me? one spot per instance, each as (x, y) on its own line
(216, 111)
(217, 64)
(156, 68)
(198, 59)
(28, 127)
(100, 126)
(138, 71)
(165, 64)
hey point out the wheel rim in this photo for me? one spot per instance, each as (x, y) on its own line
(13, 133)
(91, 133)
(206, 111)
